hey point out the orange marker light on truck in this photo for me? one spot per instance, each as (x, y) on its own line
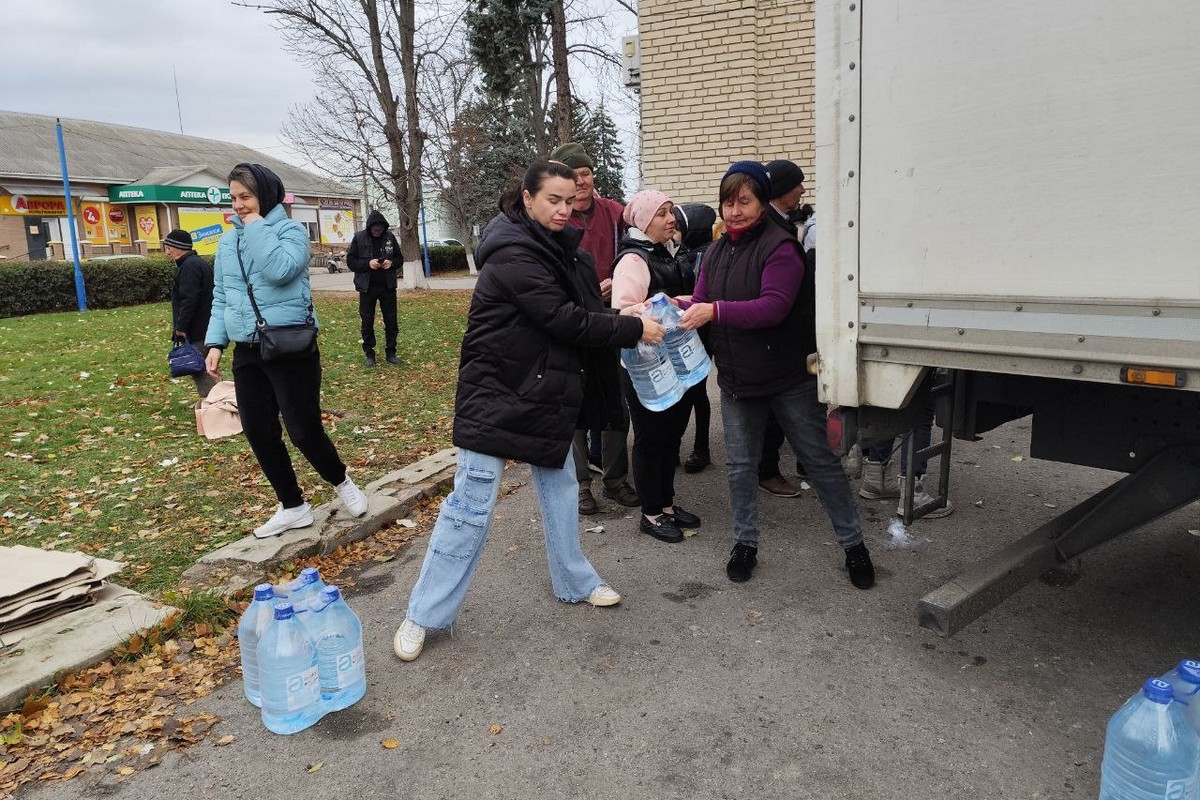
(1154, 377)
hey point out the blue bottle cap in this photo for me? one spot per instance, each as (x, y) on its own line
(330, 594)
(659, 300)
(309, 575)
(264, 591)
(1189, 670)
(284, 611)
(1155, 690)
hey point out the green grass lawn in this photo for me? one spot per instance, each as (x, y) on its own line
(100, 447)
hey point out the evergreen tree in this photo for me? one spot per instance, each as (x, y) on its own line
(597, 132)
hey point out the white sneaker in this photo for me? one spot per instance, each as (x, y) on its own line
(352, 497)
(603, 595)
(920, 498)
(285, 519)
(409, 639)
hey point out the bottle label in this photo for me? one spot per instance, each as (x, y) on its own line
(351, 668)
(662, 376)
(303, 689)
(692, 354)
(1178, 790)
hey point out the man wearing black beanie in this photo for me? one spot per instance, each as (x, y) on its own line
(191, 298)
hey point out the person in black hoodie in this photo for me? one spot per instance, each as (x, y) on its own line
(372, 257)
(535, 314)
(191, 298)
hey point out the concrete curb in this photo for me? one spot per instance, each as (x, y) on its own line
(391, 497)
(75, 641)
(83, 638)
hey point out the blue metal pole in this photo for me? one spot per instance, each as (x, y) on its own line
(424, 232)
(80, 291)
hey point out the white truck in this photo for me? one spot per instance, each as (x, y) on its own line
(1009, 199)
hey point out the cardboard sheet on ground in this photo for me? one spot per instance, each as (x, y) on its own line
(36, 585)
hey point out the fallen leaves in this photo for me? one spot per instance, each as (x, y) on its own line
(389, 744)
(311, 768)
(496, 730)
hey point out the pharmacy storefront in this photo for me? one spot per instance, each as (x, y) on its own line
(203, 211)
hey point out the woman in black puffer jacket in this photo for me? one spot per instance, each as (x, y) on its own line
(520, 393)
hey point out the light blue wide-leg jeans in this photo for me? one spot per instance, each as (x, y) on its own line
(462, 527)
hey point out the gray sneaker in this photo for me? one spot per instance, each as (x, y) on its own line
(920, 498)
(878, 482)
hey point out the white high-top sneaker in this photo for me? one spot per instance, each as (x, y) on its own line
(878, 481)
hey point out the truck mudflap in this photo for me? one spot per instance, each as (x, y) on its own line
(1167, 481)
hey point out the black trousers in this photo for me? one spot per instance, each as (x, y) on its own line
(386, 298)
(291, 388)
(696, 399)
(656, 438)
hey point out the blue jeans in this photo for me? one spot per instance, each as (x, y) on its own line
(802, 417)
(462, 527)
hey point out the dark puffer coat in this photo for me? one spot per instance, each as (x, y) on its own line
(522, 372)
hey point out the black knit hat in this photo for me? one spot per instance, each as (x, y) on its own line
(785, 176)
(178, 238)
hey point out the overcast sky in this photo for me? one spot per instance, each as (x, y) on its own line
(111, 61)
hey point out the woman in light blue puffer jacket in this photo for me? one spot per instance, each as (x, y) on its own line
(272, 251)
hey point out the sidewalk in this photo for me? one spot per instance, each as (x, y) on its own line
(322, 280)
(793, 685)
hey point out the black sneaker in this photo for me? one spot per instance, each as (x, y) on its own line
(664, 528)
(862, 571)
(392, 359)
(684, 519)
(696, 462)
(742, 560)
(369, 361)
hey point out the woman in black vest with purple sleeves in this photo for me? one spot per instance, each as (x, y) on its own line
(750, 289)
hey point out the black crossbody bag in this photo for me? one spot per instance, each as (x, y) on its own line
(280, 341)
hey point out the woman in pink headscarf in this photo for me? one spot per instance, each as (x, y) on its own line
(648, 261)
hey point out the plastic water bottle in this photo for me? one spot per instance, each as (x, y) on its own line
(340, 664)
(287, 666)
(1150, 749)
(301, 588)
(1185, 681)
(686, 351)
(654, 378)
(255, 619)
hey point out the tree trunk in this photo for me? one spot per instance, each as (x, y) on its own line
(562, 75)
(414, 142)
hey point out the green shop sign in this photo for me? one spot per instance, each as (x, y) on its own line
(211, 195)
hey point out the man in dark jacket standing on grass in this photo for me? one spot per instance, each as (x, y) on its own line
(191, 298)
(372, 257)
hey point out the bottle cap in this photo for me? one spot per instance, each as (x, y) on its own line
(309, 575)
(284, 611)
(330, 594)
(1155, 690)
(659, 300)
(1189, 670)
(264, 591)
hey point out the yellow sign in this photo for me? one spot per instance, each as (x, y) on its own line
(92, 215)
(145, 223)
(336, 224)
(28, 205)
(116, 220)
(205, 227)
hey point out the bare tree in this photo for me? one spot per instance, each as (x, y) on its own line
(366, 53)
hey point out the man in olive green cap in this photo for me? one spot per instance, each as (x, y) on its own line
(602, 224)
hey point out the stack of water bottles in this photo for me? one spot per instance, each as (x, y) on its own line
(662, 372)
(302, 652)
(1152, 745)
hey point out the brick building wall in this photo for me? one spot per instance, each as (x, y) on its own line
(723, 80)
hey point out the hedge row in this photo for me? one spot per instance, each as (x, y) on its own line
(446, 259)
(36, 287)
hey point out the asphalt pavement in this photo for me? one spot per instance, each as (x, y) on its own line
(794, 685)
